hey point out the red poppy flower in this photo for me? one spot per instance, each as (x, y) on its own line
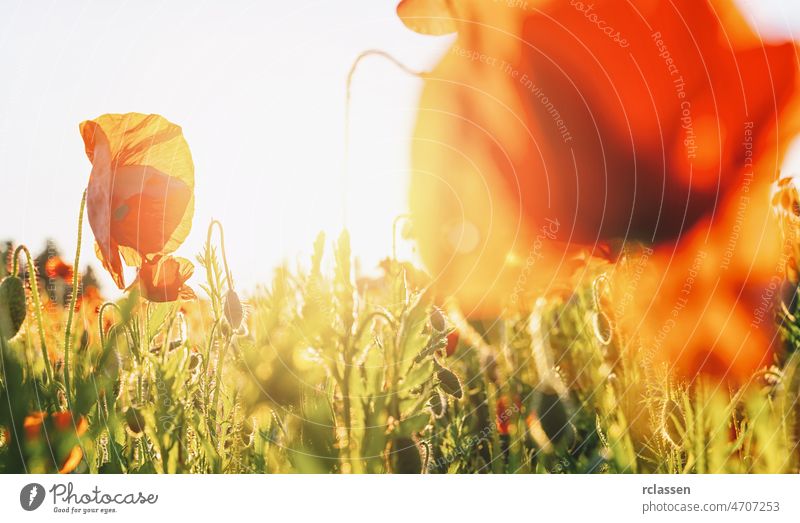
(452, 343)
(550, 130)
(55, 267)
(39, 427)
(164, 279)
(539, 132)
(140, 197)
(503, 416)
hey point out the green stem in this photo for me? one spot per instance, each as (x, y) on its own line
(372, 315)
(394, 233)
(100, 319)
(218, 384)
(228, 276)
(37, 305)
(72, 302)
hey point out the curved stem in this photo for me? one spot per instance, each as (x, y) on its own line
(37, 305)
(347, 99)
(222, 248)
(369, 317)
(394, 233)
(100, 319)
(72, 302)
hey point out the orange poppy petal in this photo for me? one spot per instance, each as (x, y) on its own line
(429, 17)
(600, 121)
(32, 424)
(140, 196)
(73, 460)
(163, 279)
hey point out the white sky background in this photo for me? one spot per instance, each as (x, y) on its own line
(258, 87)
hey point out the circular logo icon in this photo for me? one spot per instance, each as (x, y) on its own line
(31, 496)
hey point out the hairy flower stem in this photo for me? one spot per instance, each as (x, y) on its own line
(218, 384)
(228, 276)
(100, 321)
(72, 302)
(37, 305)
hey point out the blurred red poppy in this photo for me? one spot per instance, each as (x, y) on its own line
(551, 130)
(55, 267)
(51, 430)
(503, 416)
(452, 343)
(140, 197)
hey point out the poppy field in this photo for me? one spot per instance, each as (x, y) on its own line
(604, 279)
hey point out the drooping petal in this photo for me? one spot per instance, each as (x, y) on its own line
(164, 279)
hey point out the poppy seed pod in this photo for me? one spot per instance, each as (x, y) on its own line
(405, 456)
(437, 403)
(553, 416)
(449, 382)
(234, 312)
(12, 306)
(135, 420)
(438, 321)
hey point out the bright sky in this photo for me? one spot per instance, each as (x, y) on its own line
(258, 87)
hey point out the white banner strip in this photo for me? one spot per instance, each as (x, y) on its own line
(374, 498)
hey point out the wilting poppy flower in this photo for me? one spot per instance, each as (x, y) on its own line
(140, 197)
(164, 279)
(549, 130)
(55, 267)
(53, 430)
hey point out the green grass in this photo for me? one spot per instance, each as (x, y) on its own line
(325, 376)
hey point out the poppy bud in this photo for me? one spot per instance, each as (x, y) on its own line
(195, 363)
(135, 420)
(438, 321)
(437, 403)
(234, 312)
(12, 306)
(449, 382)
(404, 456)
(553, 416)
